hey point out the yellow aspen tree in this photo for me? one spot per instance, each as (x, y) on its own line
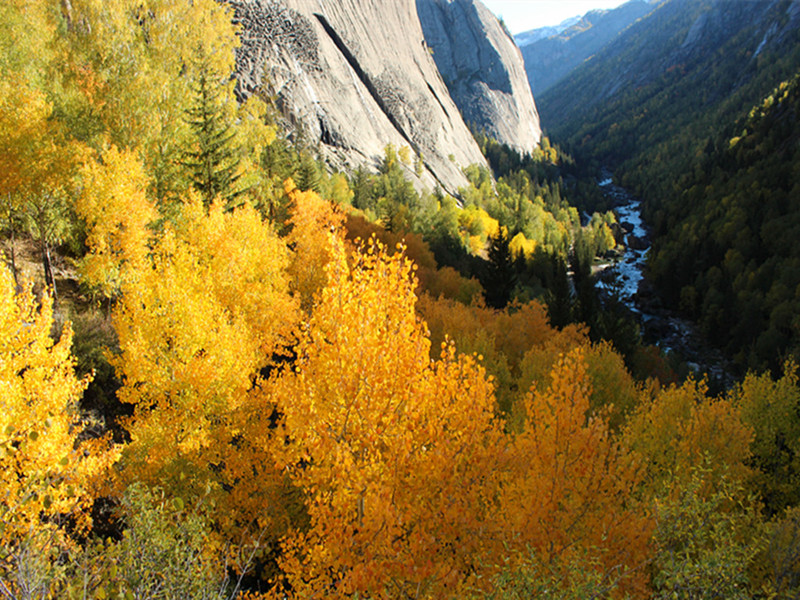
(27, 29)
(130, 66)
(501, 337)
(117, 212)
(770, 407)
(37, 164)
(22, 110)
(46, 472)
(612, 387)
(312, 219)
(569, 488)
(393, 451)
(682, 429)
(196, 324)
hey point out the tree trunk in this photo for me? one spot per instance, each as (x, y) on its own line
(66, 10)
(8, 212)
(14, 255)
(49, 279)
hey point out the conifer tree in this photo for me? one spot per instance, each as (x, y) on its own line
(308, 174)
(500, 278)
(213, 160)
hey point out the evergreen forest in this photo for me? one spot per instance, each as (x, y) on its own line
(721, 214)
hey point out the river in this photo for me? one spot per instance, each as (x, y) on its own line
(659, 324)
(630, 267)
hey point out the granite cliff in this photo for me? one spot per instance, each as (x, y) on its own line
(483, 70)
(355, 75)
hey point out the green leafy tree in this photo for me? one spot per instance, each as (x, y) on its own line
(163, 553)
(582, 578)
(705, 541)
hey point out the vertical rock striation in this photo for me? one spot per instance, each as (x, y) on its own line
(483, 69)
(355, 75)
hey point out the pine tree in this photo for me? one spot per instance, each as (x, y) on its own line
(308, 174)
(213, 159)
(500, 277)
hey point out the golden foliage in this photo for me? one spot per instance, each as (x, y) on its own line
(520, 246)
(117, 212)
(512, 331)
(196, 324)
(445, 281)
(500, 337)
(570, 487)
(44, 470)
(36, 157)
(612, 387)
(312, 220)
(390, 447)
(682, 429)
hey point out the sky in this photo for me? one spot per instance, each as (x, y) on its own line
(523, 15)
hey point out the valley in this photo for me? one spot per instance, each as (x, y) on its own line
(308, 299)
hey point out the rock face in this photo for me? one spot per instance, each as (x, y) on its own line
(355, 75)
(483, 69)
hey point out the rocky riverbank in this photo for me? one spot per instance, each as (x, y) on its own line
(660, 324)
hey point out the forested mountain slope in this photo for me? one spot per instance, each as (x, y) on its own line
(726, 249)
(549, 60)
(654, 106)
(674, 77)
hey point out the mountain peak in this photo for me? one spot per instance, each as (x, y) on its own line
(549, 60)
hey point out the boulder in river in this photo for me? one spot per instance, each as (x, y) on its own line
(637, 243)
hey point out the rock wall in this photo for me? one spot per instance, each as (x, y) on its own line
(483, 69)
(355, 75)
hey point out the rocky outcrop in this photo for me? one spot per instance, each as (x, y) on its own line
(355, 75)
(483, 69)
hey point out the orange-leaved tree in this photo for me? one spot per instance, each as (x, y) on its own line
(568, 491)
(612, 387)
(500, 337)
(394, 451)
